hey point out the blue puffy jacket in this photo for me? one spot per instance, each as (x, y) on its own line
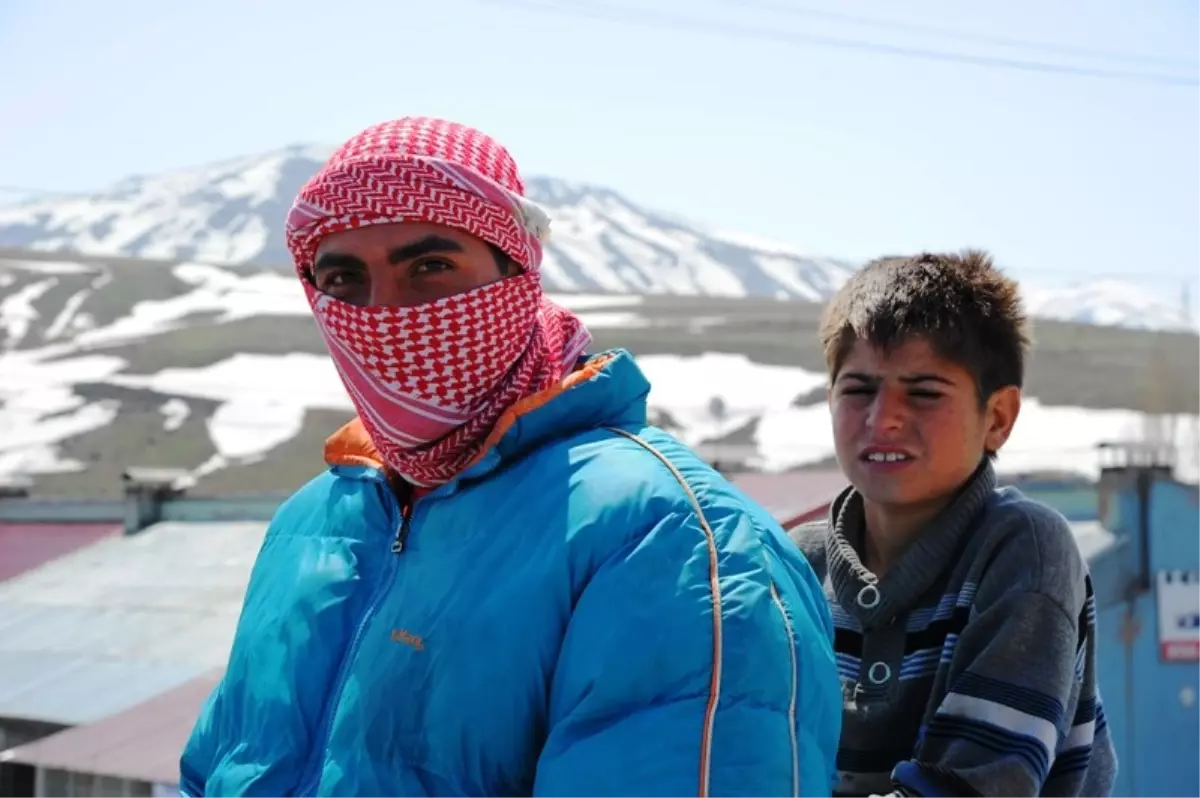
(587, 610)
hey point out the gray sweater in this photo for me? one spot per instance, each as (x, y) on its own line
(970, 667)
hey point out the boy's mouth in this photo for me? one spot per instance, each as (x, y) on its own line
(881, 455)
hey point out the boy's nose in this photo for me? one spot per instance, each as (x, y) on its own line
(888, 412)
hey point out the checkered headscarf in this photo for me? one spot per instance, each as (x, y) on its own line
(430, 381)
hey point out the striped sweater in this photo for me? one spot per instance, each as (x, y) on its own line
(969, 668)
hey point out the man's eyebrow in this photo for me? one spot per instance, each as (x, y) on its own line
(337, 260)
(425, 246)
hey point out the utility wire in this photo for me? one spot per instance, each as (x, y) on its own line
(39, 192)
(675, 22)
(958, 34)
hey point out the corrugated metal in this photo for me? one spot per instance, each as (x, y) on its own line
(59, 510)
(71, 690)
(1092, 537)
(141, 743)
(115, 622)
(26, 546)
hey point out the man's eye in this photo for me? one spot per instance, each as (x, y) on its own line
(431, 267)
(858, 391)
(330, 280)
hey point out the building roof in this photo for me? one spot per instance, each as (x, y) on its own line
(26, 546)
(143, 742)
(109, 625)
(789, 495)
(1093, 538)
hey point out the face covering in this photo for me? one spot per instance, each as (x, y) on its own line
(430, 381)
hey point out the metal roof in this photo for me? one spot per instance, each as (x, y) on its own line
(26, 546)
(789, 494)
(111, 624)
(1092, 537)
(141, 743)
(73, 690)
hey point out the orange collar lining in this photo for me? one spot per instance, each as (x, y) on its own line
(351, 446)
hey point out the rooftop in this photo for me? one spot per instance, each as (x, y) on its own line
(27, 546)
(143, 742)
(111, 624)
(789, 494)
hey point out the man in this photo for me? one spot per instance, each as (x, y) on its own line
(506, 582)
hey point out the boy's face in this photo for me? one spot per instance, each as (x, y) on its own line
(908, 427)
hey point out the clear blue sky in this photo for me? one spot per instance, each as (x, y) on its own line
(838, 151)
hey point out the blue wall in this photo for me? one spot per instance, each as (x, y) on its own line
(1150, 704)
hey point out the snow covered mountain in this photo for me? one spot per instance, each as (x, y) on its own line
(158, 324)
(107, 363)
(1108, 303)
(233, 212)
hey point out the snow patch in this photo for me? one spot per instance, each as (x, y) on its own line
(66, 317)
(248, 427)
(175, 412)
(712, 395)
(592, 301)
(17, 313)
(263, 400)
(49, 266)
(600, 321)
(39, 410)
(227, 293)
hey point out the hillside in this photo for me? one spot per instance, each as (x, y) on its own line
(232, 212)
(112, 362)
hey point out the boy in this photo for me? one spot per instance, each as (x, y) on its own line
(964, 616)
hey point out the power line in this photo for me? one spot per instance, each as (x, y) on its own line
(654, 19)
(41, 192)
(959, 34)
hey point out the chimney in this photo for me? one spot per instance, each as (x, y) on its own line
(1128, 472)
(145, 491)
(15, 487)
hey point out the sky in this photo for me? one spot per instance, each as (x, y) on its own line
(738, 114)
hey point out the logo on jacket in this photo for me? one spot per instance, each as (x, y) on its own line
(408, 639)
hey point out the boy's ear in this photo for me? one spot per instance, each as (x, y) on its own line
(1003, 407)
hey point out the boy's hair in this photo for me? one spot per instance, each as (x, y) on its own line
(963, 305)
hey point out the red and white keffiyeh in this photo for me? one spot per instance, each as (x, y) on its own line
(430, 381)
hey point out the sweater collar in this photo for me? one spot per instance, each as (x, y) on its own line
(876, 601)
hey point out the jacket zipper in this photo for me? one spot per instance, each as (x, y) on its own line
(316, 759)
(406, 513)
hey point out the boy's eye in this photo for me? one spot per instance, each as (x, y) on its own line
(858, 391)
(925, 394)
